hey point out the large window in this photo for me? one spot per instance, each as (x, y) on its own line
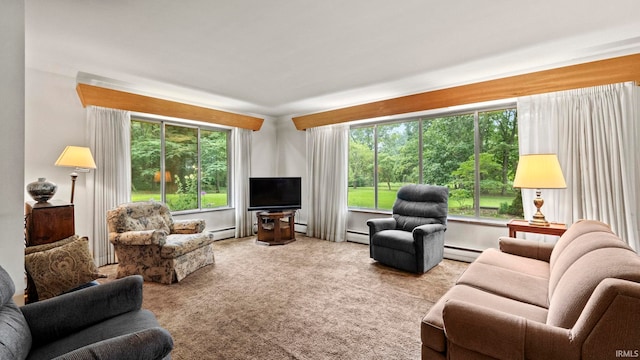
(473, 153)
(184, 166)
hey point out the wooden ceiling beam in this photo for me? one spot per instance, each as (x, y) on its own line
(609, 71)
(116, 99)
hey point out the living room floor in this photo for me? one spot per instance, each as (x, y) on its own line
(310, 299)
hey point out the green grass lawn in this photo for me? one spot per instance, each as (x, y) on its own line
(362, 197)
(209, 200)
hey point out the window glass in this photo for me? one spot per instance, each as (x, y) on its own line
(195, 165)
(214, 166)
(361, 152)
(498, 148)
(181, 161)
(145, 161)
(398, 160)
(474, 154)
(448, 159)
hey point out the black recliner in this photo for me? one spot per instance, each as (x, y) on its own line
(413, 239)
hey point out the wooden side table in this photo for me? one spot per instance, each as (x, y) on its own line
(274, 230)
(524, 226)
(48, 222)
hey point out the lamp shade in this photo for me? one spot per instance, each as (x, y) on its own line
(76, 156)
(539, 171)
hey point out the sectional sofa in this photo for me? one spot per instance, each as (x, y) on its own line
(577, 299)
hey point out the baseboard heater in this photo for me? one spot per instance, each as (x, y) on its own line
(450, 252)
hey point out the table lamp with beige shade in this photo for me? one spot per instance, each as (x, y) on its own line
(539, 171)
(78, 157)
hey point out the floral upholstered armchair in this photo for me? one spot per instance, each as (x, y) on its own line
(150, 243)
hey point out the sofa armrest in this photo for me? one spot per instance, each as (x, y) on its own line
(502, 335)
(526, 248)
(190, 226)
(149, 344)
(62, 315)
(139, 237)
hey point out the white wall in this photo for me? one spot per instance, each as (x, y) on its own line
(12, 142)
(291, 158)
(54, 118)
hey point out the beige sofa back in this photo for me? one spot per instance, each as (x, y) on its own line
(137, 216)
(583, 257)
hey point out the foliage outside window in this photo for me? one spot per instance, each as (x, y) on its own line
(475, 154)
(186, 167)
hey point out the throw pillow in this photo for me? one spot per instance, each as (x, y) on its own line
(60, 269)
(37, 248)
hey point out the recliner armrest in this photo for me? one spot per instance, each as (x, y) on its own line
(526, 248)
(68, 313)
(149, 344)
(427, 229)
(376, 225)
(139, 237)
(190, 226)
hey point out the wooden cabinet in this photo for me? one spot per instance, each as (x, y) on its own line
(48, 222)
(276, 228)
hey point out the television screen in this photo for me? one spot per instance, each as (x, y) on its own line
(275, 193)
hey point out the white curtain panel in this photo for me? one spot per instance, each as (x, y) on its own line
(109, 185)
(241, 140)
(327, 174)
(595, 133)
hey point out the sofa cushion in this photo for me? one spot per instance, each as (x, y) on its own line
(576, 230)
(395, 239)
(180, 244)
(579, 281)
(432, 326)
(528, 266)
(508, 283)
(15, 337)
(582, 245)
(61, 268)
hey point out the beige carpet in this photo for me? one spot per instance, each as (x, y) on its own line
(310, 299)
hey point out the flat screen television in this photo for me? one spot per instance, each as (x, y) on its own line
(275, 193)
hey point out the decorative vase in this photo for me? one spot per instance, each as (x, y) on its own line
(42, 190)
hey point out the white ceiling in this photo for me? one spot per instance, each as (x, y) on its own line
(284, 57)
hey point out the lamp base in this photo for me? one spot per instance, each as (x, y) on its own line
(538, 218)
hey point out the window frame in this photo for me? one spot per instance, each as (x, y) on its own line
(162, 122)
(475, 110)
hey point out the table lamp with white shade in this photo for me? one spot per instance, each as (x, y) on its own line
(539, 171)
(78, 157)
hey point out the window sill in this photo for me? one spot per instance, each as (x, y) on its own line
(200, 211)
(458, 219)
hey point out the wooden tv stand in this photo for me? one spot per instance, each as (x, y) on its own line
(276, 228)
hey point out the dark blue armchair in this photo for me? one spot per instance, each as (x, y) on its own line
(413, 238)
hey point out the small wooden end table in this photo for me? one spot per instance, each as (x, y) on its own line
(276, 228)
(516, 225)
